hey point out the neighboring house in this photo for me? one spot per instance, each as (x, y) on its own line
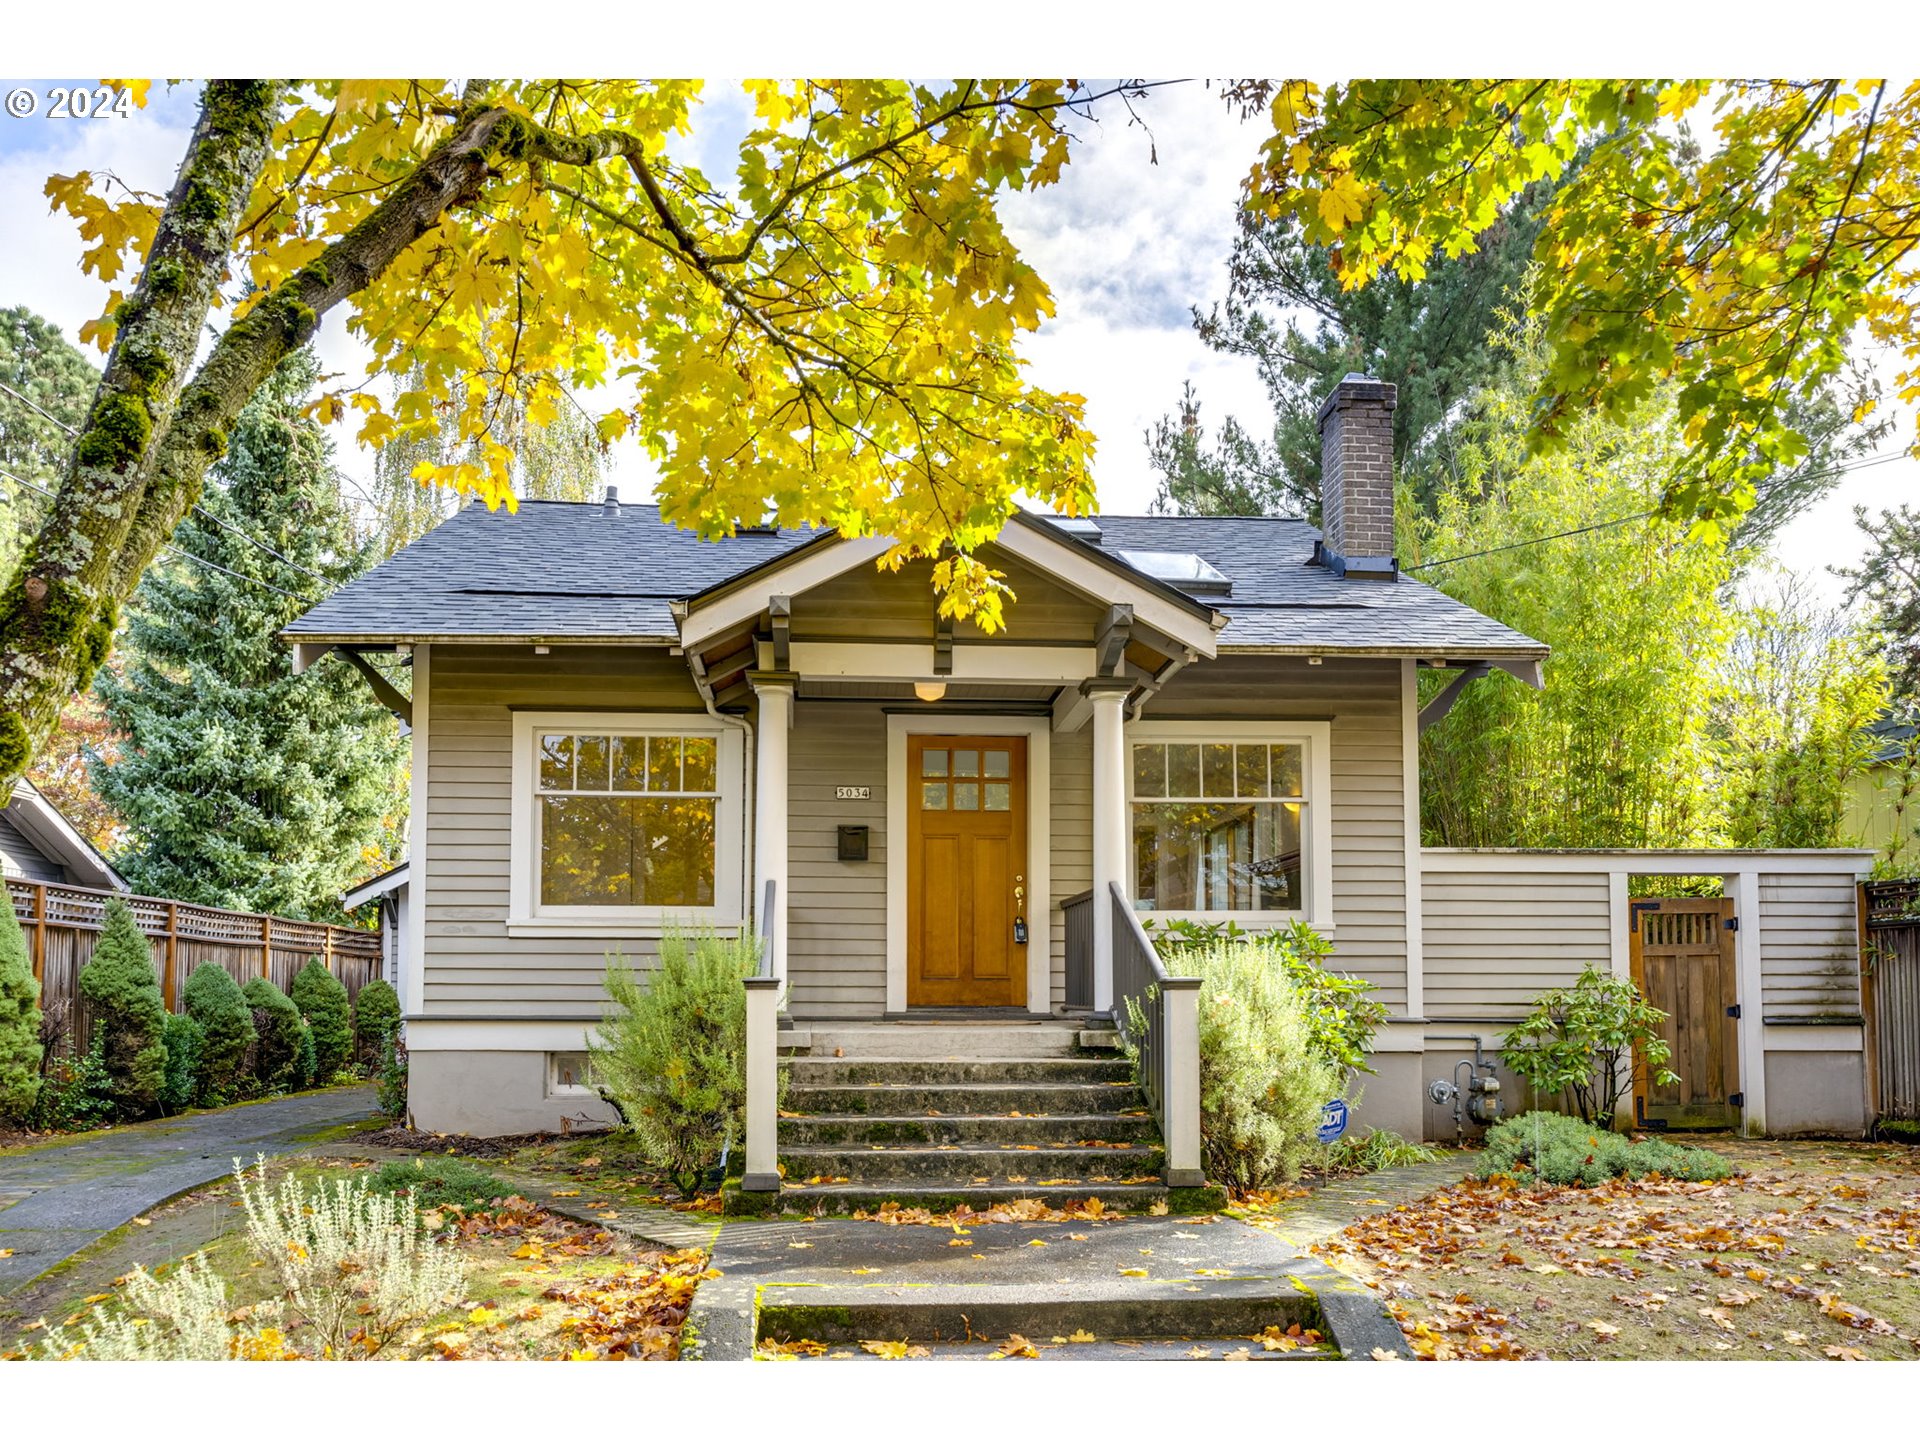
(37, 842)
(1875, 806)
(389, 889)
(618, 727)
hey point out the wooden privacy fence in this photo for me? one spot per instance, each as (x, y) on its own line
(62, 925)
(1890, 985)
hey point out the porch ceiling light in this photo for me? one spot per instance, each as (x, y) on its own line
(930, 690)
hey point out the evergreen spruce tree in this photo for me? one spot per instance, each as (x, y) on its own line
(19, 1021)
(242, 784)
(184, 1040)
(37, 362)
(123, 999)
(329, 1015)
(215, 1001)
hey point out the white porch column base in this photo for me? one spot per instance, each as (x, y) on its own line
(1180, 1088)
(1109, 699)
(763, 1085)
(770, 814)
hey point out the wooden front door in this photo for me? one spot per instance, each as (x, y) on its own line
(1682, 956)
(966, 870)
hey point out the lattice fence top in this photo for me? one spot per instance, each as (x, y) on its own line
(76, 908)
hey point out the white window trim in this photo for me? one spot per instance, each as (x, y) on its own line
(524, 913)
(1039, 735)
(1315, 737)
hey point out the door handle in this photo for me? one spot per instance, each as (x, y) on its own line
(1019, 895)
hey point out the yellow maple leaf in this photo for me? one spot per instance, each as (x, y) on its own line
(1342, 201)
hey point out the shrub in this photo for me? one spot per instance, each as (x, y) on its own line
(323, 1001)
(123, 998)
(1377, 1150)
(76, 1092)
(376, 1022)
(185, 1042)
(1562, 1150)
(1264, 1078)
(215, 1000)
(20, 1048)
(1341, 1019)
(440, 1180)
(306, 1070)
(390, 1092)
(355, 1271)
(357, 1267)
(277, 1029)
(672, 1052)
(1589, 1041)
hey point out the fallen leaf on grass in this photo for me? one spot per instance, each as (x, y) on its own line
(1603, 1329)
(141, 1220)
(1844, 1352)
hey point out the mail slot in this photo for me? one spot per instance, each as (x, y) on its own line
(853, 842)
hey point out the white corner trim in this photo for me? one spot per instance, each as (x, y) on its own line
(1316, 737)
(1748, 994)
(1416, 985)
(523, 850)
(1619, 927)
(1038, 733)
(413, 958)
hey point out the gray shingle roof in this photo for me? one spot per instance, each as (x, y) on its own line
(565, 571)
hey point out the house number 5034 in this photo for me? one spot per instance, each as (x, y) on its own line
(853, 792)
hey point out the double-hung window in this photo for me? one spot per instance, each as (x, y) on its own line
(625, 817)
(1229, 821)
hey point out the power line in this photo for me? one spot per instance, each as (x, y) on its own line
(176, 551)
(199, 510)
(1647, 514)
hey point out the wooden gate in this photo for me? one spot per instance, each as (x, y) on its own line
(1682, 956)
(1890, 957)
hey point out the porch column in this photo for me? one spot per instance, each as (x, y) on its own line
(775, 690)
(1110, 829)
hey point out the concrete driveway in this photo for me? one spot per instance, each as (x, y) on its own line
(59, 1198)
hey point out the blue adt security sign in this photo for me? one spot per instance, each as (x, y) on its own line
(1333, 1122)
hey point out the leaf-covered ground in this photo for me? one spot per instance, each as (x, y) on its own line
(539, 1287)
(1812, 1253)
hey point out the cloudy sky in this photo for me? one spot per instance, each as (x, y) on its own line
(1128, 245)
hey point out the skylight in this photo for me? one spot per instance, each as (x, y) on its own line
(1180, 569)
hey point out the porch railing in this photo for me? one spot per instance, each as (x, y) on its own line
(763, 1059)
(1163, 1021)
(1078, 913)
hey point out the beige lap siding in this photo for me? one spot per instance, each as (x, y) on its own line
(836, 909)
(1071, 810)
(1361, 699)
(472, 967)
(1809, 946)
(1495, 940)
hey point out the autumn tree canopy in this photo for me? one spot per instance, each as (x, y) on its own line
(829, 334)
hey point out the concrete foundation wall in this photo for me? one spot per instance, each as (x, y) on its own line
(494, 1092)
(1816, 1092)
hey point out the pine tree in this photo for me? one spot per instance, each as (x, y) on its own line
(36, 362)
(123, 999)
(242, 784)
(19, 1020)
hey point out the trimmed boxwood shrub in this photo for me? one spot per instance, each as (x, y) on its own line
(440, 1180)
(185, 1042)
(323, 1001)
(216, 1002)
(376, 1022)
(123, 997)
(20, 1049)
(1543, 1147)
(277, 1029)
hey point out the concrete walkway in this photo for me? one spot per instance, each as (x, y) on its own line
(57, 1199)
(1331, 1208)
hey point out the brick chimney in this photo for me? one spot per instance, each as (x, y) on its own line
(1356, 480)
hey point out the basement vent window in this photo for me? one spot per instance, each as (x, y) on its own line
(1181, 570)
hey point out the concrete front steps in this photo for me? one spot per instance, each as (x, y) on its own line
(936, 1115)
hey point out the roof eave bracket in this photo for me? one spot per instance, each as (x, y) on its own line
(1435, 710)
(383, 691)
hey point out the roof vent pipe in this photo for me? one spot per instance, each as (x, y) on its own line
(612, 501)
